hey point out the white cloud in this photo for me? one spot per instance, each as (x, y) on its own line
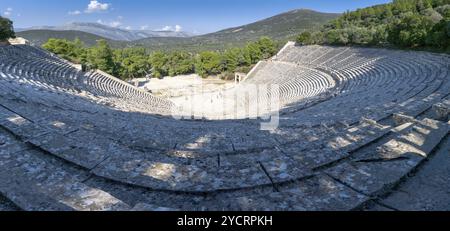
(75, 12)
(128, 28)
(111, 24)
(145, 27)
(176, 28)
(115, 24)
(167, 28)
(96, 6)
(8, 11)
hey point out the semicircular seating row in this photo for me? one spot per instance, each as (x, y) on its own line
(295, 82)
(222, 157)
(302, 73)
(43, 70)
(371, 83)
(376, 80)
(285, 82)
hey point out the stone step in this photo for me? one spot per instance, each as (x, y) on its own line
(35, 182)
(143, 169)
(353, 138)
(377, 169)
(442, 110)
(20, 126)
(81, 148)
(414, 138)
(427, 189)
(337, 146)
(90, 151)
(320, 193)
(278, 166)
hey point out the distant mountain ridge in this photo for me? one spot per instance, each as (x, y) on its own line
(112, 33)
(280, 27)
(41, 36)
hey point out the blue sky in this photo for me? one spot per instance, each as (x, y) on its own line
(199, 16)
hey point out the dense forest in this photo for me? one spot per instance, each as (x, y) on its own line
(6, 29)
(418, 24)
(138, 62)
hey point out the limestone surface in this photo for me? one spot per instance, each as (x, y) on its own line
(356, 129)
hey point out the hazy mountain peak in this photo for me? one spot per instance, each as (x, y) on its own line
(112, 33)
(281, 27)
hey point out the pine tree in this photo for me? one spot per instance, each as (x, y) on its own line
(6, 29)
(101, 57)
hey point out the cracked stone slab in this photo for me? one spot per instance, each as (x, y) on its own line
(144, 140)
(58, 125)
(428, 188)
(82, 148)
(442, 110)
(400, 119)
(313, 158)
(133, 195)
(38, 184)
(251, 140)
(4, 113)
(320, 193)
(211, 144)
(26, 196)
(163, 136)
(8, 143)
(278, 166)
(417, 140)
(304, 135)
(46, 116)
(373, 178)
(20, 126)
(355, 137)
(418, 106)
(168, 174)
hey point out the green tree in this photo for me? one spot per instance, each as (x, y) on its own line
(101, 57)
(253, 52)
(158, 61)
(411, 31)
(6, 29)
(208, 63)
(304, 38)
(267, 47)
(231, 61)
(440, 35)
(131, 62)
(180, 63)
(387, 13)
(61, 47)
(80, 51)
(337, 37)
(404, 23)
